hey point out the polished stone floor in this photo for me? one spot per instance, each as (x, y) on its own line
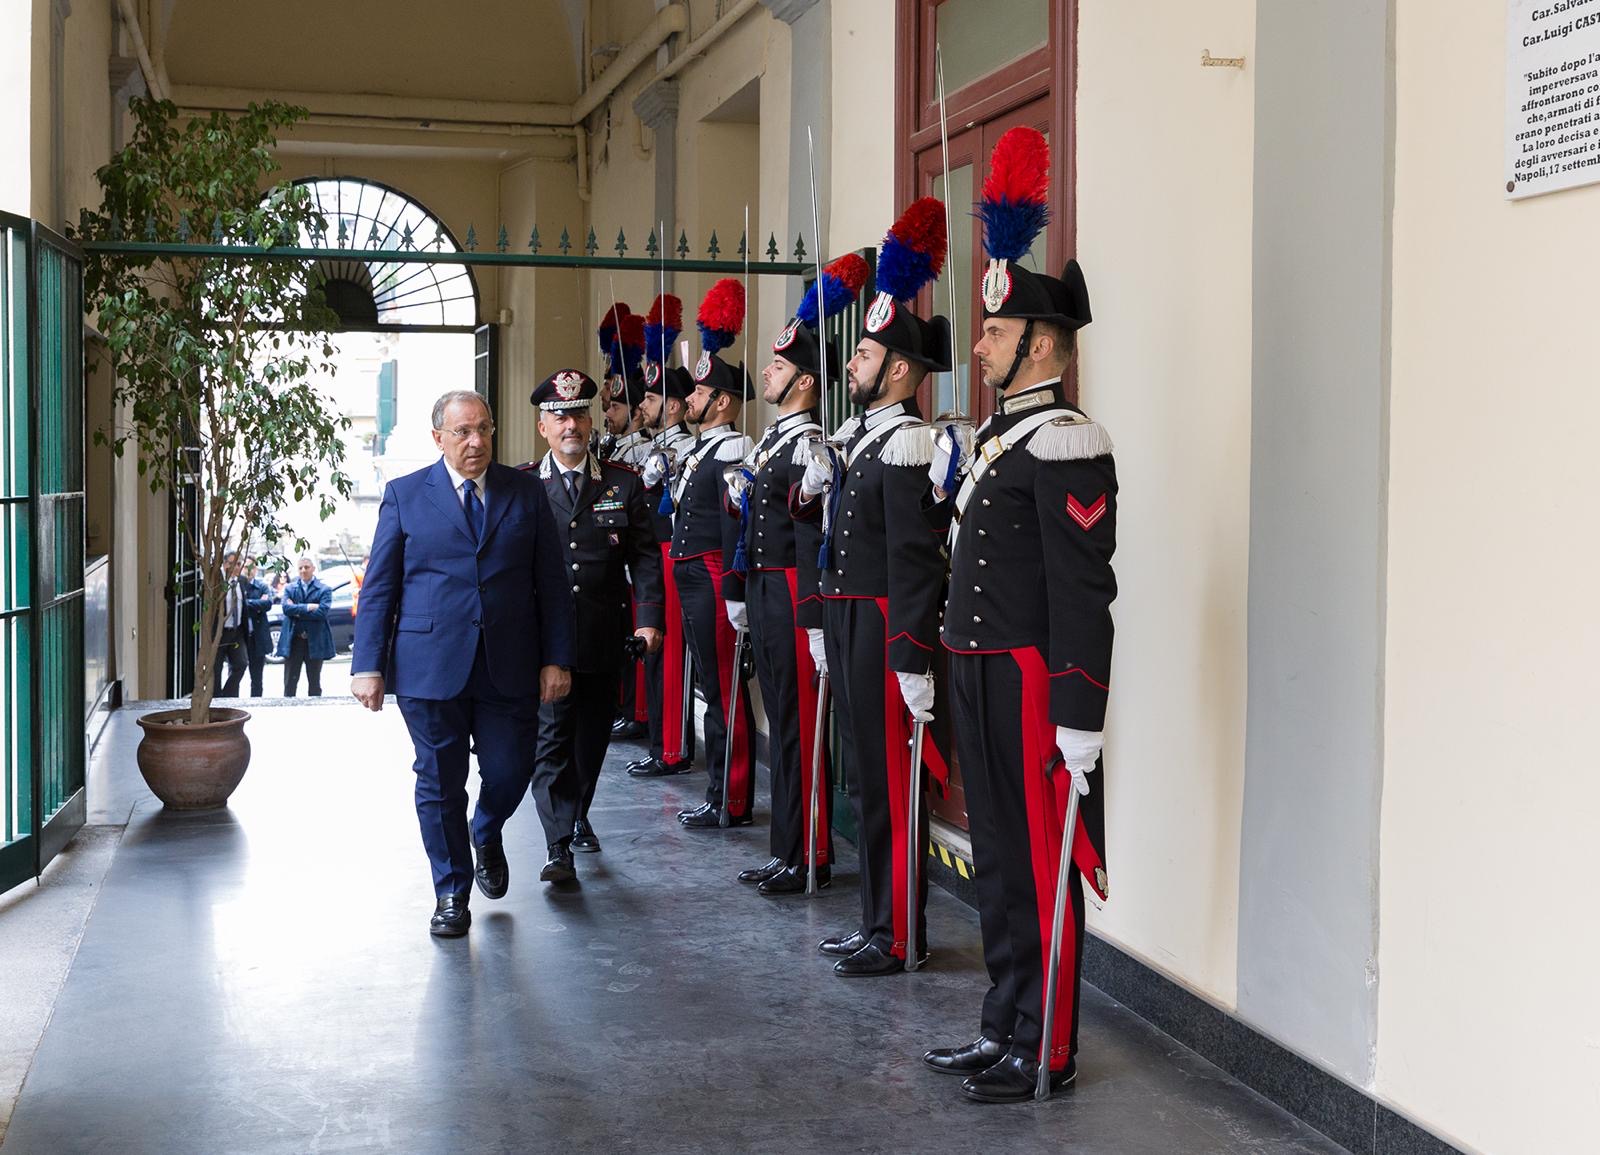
(260, 979)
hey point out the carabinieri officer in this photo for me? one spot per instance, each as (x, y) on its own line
(1028, 629)
(600, 514)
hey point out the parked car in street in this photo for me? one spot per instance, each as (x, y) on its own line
(344, 580)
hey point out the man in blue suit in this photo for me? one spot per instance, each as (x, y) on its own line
(305, 639)
(467, 618)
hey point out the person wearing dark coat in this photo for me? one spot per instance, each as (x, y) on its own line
(257, 602)
(600, 510)
(305, 639)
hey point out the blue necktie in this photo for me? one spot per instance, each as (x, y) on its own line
(474, 508)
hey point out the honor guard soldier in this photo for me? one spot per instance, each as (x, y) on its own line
(704, 539)
(1028, 629)
(882, 590)
(626, 443)
(601, 513)
(667, 681)
(781, 586)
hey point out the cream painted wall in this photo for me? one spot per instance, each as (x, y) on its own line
(87, 106)
(1164, 236)
(862, 197)
(16, 121)
(1489, 1025)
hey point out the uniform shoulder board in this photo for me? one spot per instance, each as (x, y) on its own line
(734, 448)
(1070, 439)
(848, 430)
(802, 451)
(621, 466)
(909, 445)
(528, 466)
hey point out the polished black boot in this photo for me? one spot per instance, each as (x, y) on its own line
(1013, 1080)
(763, 872)
(978, 1055)
(493, 874)
(583, 837)
(792, 880)
(560, 867)
(451, 918)
(843, 945)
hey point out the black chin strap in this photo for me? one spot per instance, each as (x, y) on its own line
(1023, 343)
(877, 382)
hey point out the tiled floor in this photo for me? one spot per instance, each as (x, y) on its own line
(260, 979)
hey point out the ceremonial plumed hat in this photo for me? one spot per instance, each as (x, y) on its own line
(679, 383)
(629, 390)
(1014, 209)
(565, 389)
(912, 254)
(801, 342)
(609, 336)
(720, 320)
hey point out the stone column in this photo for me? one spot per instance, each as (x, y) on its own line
(657, 108)
(810, 106)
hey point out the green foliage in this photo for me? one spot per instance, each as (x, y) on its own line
(217, 354)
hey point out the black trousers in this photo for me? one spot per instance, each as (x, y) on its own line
(1015, 808)
(299, 646)
(260, 646)
(710, 639)
(789, 696)
(876, 729)
(230, 652)
(670, 740)
(501, 731)
(574, 733)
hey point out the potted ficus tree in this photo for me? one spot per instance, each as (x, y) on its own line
(215, 360)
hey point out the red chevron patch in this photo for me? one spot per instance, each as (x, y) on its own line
(1086, 516)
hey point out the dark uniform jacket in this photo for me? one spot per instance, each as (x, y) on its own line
(700, 524)
(882, 547)
(678, 439)
(607, 536)
(1031, 566)
(773, 539)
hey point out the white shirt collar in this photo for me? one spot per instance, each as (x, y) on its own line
(457, 478)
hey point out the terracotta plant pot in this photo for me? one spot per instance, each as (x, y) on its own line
(194, 767)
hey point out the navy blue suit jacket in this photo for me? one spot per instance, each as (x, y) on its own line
(430, 593)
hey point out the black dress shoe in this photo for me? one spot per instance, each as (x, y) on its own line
(706, 817)
(560, 867)
(696, 812)
(978, 1055)
(792, 880)
(763, 872)
(656, 768)
(869, 962)
(493, 875)
(583, 837)
(627, 728)
(636, 763)
(1013, 1079)
(451, 918)
(843, 945)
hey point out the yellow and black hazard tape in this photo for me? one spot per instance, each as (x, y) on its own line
(951, 861)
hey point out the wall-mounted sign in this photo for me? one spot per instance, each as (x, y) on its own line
(1552, 95)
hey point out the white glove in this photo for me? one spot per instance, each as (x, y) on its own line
(655, 469)
(946, 466)
(1080, 749)
(818, 476)
(819, 653)
(737, 616)
(916, 690)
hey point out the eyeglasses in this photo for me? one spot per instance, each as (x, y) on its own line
(462, 432)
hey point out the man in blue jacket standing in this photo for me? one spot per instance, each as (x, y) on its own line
(467, 617)
(305, 638)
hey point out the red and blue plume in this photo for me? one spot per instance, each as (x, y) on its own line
(611, 338)
(661, 328)
(721, 315)
(1015, 204)
(913, 250)
(632, 337)
(841, 281)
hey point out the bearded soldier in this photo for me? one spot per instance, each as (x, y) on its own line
(882, 588)
(781, 587)
(704, 540)
(1028, 629)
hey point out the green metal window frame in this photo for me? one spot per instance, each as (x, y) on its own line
(43, 753)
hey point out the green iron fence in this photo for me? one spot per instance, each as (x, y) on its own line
(41, 547)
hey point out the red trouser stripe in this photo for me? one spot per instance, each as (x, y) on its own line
(807, 673)
(672, 687)
(741, 770)
(1047, 810)
(897, 770)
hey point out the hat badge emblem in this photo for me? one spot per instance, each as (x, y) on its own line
(702, 367)
(652, 372)
(618, 389)
(568, 385)
(881, 313)
(996, 285)
(786, 338)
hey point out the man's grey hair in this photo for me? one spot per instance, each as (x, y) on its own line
(451, 398)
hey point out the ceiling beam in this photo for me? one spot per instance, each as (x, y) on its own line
(419, 111)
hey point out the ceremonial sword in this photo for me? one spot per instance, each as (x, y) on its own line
(1041, 1089)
